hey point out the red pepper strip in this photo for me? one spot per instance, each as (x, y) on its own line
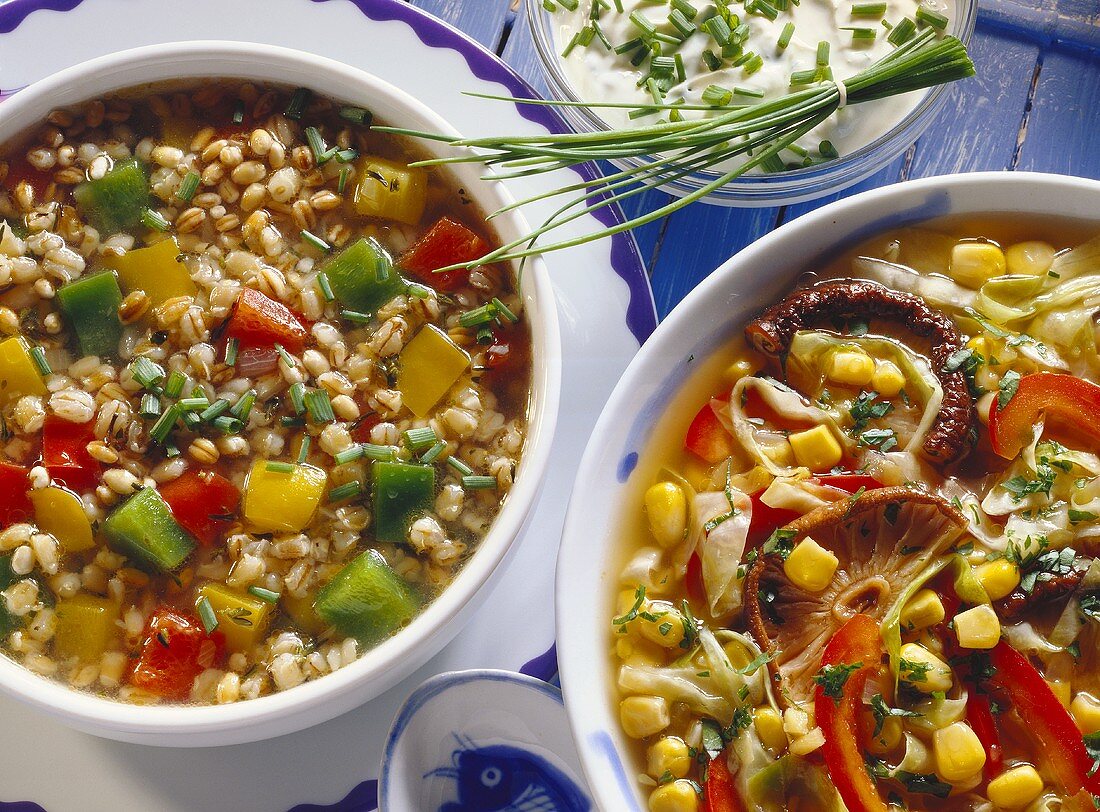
(15, 505)
(175, 650)
(1063, 398)
(707, 438)
(857, 641)
(979, 715)
(508, 358)
(693, 581)
(1058, 740)
(259, 321)
(65, 453)
(204, 503)
(721, 795)
(446, 243)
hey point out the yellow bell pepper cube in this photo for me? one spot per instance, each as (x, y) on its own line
(242, 618)
(85, 627)
(427, 368)
(277, 500)
(391, 190)
(154, 270)
(61, 514)
(18, 374)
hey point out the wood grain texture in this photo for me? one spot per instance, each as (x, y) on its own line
(484, 20)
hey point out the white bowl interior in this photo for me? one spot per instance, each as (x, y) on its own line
(715, 312)
(396, 658)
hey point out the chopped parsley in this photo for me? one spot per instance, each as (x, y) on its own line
(780, 543)
(882, 439)
(1092, 747)
(761, 659)
(832, 679)
(918, 672)
(639, 599)
(1076, 516)
(881, 711)
(1090, 607)
(868, 407)
(1049, 565)
(1007, 386)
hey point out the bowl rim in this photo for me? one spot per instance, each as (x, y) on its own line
(585, 551)
(789, 186)
(388, 662)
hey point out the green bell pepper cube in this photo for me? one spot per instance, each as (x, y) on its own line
(143, 529)
(362, 276)
(116, 201)
(401, 490)
(91, 306)
(367, 600)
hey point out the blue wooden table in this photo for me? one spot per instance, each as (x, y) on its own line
(1034, 105)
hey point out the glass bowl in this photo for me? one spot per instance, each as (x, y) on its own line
(760, 190)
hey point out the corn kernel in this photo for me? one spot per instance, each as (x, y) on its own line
(888, 738)
(816, 448)
(668, 756)
(923, 610)
(804, 745)
(638, 651)
(666, 510)
(978, 627)
(741, 368)
(998, 577)
(769, 727)
(1085, 710)
(1015, 788)
(1032, 258)
(958, 752)
(810, 566)
(796, 723)
(980, 345)
(666, 628)
(973, 263)
(643, 716)
(930, 673)
(888, 379)
(851, 367)
(1061, 690)
(626, 600)
(679, 796)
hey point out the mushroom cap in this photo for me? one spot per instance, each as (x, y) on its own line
(883, 538)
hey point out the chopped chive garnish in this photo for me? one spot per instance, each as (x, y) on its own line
(206, 614)
(478, 483)
(504, 311)
(823, 53)
(479, 315)
(231, 348)
(345, 491)
(171, 451)
(681, 71)
(600, 35)
(150, 406)
(154, 220)
(325, 286)
(419, 291)
(145, 372)
(433, 453)
(686, 8)
(753, 64)
(903, 31)
(383, 453)
(291, 422)
(765, 9)
(316, 242)
(868, 9)
(266, 595)
(215, 409)
(238, 112)
(298, 397)
(717, 96)
(356, 317)
(193, 404)
(926, 16)
(628, 46)
(570, 4)
(804, 77)
(719, 29)
(163, 427)
(682, 23)
(298, 101)
(420, 438)
(642, 23)
(711, 60)
(319, 406)
(188, 186)
(356, 115)
(243, 407)
(573, 43)
(749, 91)
(280, 467)
(317, 144)
(352, 454)
(227, 425)
(175, 384)
(484, 336)
(827, 150)
(860, 33)
(342, 183)
(190, 419)
(785, 37)
(303, 452)
(288, 359)
(460, 466)
(38, 356)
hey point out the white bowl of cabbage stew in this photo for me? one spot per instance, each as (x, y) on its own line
(259, 457)
(834, 543)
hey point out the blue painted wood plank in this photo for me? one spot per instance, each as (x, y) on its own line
(484, 20)
(1061, 131)
(979, 125)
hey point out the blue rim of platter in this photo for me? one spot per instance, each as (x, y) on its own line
(626, 261)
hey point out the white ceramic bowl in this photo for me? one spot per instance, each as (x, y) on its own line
(715, 312)
(388, 663)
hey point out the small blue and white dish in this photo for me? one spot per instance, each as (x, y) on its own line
(482, 741)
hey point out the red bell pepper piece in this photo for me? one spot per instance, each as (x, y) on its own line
(175, 650)
(15, 504)
(979, 715)
(707, 438)
(857, 642)
(446, 243)
(360, 431)
(204, 503)
(718, 789)
(65, 453)
(260, 321)
(1056, 736)
(1055, 396)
